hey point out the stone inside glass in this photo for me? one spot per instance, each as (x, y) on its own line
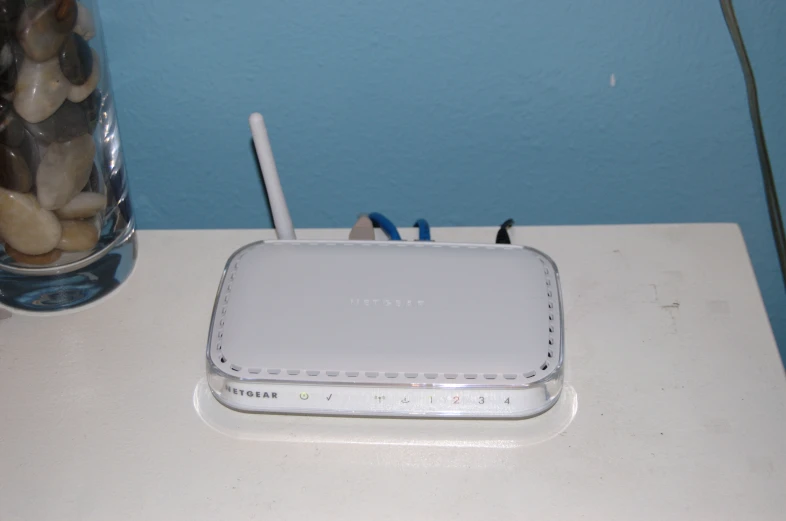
(58, 199)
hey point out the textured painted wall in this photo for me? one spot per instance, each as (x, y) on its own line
(463, 112)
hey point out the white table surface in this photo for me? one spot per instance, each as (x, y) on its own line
(675, 402)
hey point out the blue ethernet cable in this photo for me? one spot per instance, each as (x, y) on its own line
(387, 226)
(424, 232)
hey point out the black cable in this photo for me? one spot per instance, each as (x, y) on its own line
(770, 190)
(502, 234)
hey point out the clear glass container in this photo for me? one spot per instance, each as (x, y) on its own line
(66, 222)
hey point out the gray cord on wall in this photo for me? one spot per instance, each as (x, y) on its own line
(776, 221)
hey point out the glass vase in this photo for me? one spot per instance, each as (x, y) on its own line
(66, 222)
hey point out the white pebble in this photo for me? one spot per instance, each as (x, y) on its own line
(82, 206)
(25, 226)
(85, 26)
(64, 171)
(40, 89)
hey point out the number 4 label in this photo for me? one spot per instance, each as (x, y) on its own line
(507, 400)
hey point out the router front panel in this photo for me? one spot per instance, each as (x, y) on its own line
(387, 328)
(392, 400)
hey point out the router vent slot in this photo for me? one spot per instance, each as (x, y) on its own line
(222, 321)
(552, 328)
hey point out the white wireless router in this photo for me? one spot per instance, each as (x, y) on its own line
(384, 328)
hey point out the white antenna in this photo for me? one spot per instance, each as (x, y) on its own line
(275, 194)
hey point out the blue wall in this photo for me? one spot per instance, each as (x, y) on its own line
(465, 112)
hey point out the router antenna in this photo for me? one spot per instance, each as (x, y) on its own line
(275, 194)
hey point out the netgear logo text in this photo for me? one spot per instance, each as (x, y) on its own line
(386, 303)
